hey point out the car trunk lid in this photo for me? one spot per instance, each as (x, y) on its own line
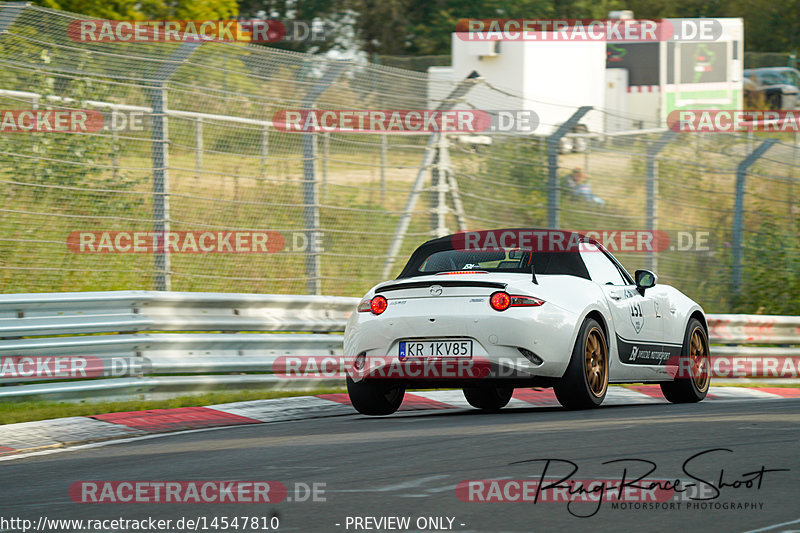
(437, 286)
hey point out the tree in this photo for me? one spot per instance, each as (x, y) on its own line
(334, 16)
(147, 9)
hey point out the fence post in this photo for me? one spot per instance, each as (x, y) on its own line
(651, 207)
(198, 141)
(114, 145)
(160, 141)
(264, 150)
(310, 211)
(36, 145)
(325, 156)
(160, 188)
(552, 164)
(791, 173)
(452, 188)
(434, 185)
(384, 141)
(440, 188)
(738, 211)
(310, 200)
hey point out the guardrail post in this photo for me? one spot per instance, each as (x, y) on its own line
(552, 165)
(651, 207)
(160, 140)
(310, 200)
(738, 211)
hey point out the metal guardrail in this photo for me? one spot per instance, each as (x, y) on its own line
(738, 350)
(131, 311)
(226, 340)
(754, 329)
(134, 364)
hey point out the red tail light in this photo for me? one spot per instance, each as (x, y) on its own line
(525, 301)
(377, 305)
(501, 301)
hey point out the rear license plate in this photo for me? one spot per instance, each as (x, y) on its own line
(435, 348)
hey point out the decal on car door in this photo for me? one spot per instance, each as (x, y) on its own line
(637, 316)
(644, 353)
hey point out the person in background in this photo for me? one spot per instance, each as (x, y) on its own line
(578, 183)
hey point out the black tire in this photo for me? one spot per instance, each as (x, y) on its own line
(375, 397)
(576, 390)
(692, 388)
(488, 397)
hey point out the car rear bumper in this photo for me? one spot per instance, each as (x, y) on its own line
(497, 337)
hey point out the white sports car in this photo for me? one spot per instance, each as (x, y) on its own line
(543, 309)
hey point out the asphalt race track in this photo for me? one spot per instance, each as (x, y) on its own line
(408, 465)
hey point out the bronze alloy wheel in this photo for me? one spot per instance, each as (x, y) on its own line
(699, 357)
(694, 360)
(596, 362)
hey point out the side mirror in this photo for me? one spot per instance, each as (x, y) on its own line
(645, 280)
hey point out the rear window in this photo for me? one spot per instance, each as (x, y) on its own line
(505, 260)
(489, 260)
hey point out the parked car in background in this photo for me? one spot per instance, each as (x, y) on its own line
(779, 87)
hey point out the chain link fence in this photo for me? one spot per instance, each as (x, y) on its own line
(416, 63)
(208, 158)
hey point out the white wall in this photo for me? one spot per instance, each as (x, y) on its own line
(440, 83)
(502, 70)
(550, 78)
(561, 76)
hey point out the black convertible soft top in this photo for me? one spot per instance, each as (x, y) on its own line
(554, 251)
